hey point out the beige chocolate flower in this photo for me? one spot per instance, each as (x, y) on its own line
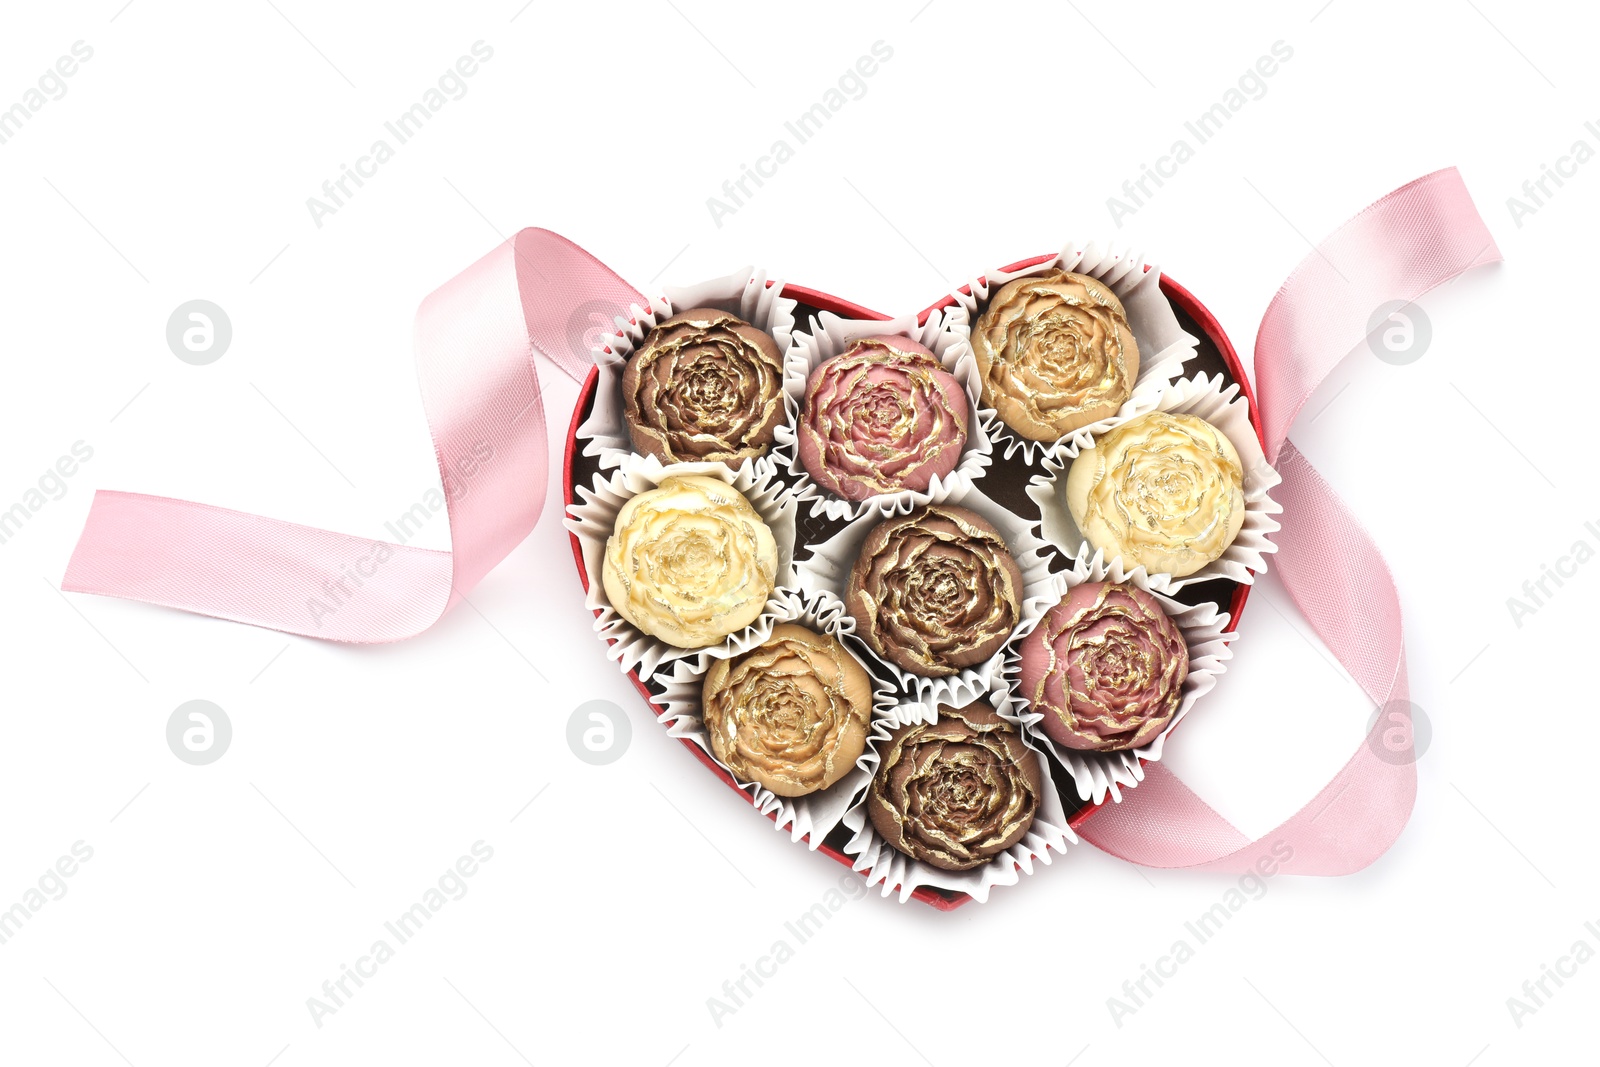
(790, 714)
(690, 562)
(704, 386)
(1163, 491)
(1055, 352)
(956, 792)
(935, 591)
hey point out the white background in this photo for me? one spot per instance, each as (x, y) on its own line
(219, 898)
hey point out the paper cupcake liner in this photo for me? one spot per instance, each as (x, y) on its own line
(829, 336)
(1164, 346)
(892, 869)
(746, 293)
(1099, 774)
(812, 816)
(594, 517)
(828, 570)
(1229, 412)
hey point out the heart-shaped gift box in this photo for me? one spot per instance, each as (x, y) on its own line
(1006, 482)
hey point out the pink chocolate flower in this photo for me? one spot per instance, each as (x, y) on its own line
(1105, 667)
(881, 417)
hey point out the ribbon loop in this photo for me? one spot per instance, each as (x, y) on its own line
(480, 391)
(1419, 236)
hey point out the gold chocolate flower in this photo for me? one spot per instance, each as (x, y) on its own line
(1055, 352)
(690, 562)
(704, 386)
(935, 591)
(1105, 667)
(1164, 491)
(956, 792)
(790, 714)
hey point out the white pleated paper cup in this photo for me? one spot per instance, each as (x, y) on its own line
(1098, 775)
(1229, 411)
(830, 336)
(885, 866)
(747, 293)
(593, 519)
(1164, 345)
(813, 816)
(828, 571)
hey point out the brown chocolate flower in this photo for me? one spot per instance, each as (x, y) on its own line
(790, 714)
(1105, 667)
(957, 792)
(880, 417)
(1055, 352)
(704, 386)
(935, 591)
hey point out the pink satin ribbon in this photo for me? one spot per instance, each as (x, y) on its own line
(480, 389)
(1418, 237)
(480, 392)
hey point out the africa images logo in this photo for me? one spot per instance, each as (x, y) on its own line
(52, 85)
(1251, 85)
(851, 85)
(451, 85)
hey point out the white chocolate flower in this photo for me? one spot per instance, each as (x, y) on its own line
(1164, 491)
(690, 562)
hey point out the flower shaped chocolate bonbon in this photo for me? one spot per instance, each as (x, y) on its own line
(1105, 667)
(881, 417)
(1163, 491)
(1055, 352)
(790, 714)
(704, 386)
(690, 562)
(956, 792)
(935, 591)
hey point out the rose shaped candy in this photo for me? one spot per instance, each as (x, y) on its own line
(1055, 353)
(790, 714)
(1105, 667)
(880, 417)
(704, 385)
(935, 591)
(690, 562)
(1162, 491)
(956, 792)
